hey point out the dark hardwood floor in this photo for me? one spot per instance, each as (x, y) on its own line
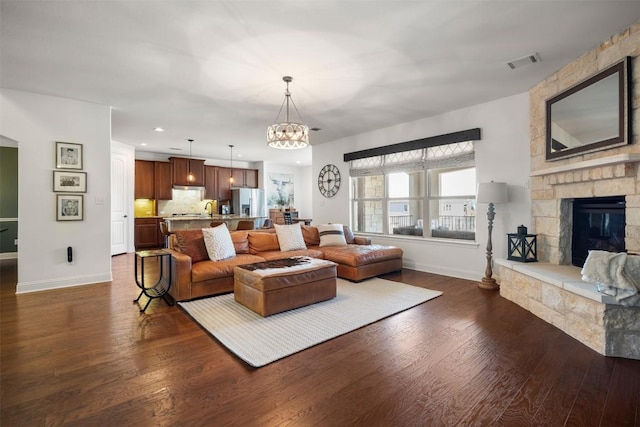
(85, 356)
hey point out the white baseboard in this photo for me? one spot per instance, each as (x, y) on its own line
(45, 285)
(436, 269)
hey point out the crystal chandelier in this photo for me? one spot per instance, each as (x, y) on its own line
(288, 135)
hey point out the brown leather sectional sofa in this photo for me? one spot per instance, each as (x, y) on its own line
(194, 275)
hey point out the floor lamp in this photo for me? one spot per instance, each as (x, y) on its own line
(492, 193)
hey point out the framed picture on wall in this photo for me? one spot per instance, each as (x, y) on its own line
(69, 207)
(280, 190)
(69, 182)
(68, 155)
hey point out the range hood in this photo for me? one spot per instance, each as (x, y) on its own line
(187, 187)
(182, 167)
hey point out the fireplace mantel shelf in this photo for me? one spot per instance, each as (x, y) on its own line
(604, 161)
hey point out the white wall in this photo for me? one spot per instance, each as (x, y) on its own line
(36, 122)
(501, 155)
(301, 184)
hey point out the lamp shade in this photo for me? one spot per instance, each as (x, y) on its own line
(492, 192)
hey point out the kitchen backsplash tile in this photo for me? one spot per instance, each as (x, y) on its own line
(144, 207)
(184, 201)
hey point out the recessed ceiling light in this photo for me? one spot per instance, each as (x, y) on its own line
(143, 144)
(315, 129)
(239, 155)
(297, 162)
(175, 148)
(158, 129)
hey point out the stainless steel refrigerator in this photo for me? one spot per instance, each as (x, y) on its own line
(248, 201)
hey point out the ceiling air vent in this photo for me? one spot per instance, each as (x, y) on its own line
(525, 60)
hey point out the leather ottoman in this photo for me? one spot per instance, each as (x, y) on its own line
(272, 287)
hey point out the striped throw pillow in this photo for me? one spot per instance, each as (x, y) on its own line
(331, 235)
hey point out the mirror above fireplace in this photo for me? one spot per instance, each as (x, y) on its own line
(592, 115)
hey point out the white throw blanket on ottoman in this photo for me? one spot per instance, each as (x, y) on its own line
(615, 274)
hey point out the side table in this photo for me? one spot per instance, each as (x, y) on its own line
(161, 287)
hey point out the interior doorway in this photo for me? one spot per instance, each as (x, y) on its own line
(122, 161)
(8, 198)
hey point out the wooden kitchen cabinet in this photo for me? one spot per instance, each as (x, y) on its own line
(238, 177)
(181, 168)
(245, 178)
(211, 182)
(153, 180)
(164, 180)
(224, 185)
(144, 179)
(251, 178)
(147, 233)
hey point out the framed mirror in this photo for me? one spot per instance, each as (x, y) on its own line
(592, 115)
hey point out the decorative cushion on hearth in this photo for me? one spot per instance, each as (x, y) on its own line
(614, 274)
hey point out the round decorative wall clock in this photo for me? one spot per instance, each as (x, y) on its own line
(329, 180)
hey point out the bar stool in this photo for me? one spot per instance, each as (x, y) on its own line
(246, 225)
(287, 217)
(164, 229)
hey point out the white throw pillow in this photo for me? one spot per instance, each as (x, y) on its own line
(218, 242)
(331, 235)
(290, 237)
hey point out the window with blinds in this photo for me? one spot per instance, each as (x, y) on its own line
(424, 192)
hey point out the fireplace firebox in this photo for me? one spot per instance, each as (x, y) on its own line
(598, 224)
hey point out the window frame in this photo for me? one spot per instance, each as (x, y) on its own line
(431, 160)
(426, 201)
(438, 198)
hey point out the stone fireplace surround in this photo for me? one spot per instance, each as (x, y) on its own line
(616, 175)
(553, 289)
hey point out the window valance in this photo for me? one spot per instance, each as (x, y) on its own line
(417, 144)
(441, 156)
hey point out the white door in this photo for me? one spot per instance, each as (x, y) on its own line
(121, 198)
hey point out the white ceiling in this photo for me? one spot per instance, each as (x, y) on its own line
(212, 70)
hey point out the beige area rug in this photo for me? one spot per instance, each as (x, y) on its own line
(261, 340)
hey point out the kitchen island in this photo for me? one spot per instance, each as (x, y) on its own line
(186, 222)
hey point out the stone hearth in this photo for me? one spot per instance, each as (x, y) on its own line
(557, 295)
